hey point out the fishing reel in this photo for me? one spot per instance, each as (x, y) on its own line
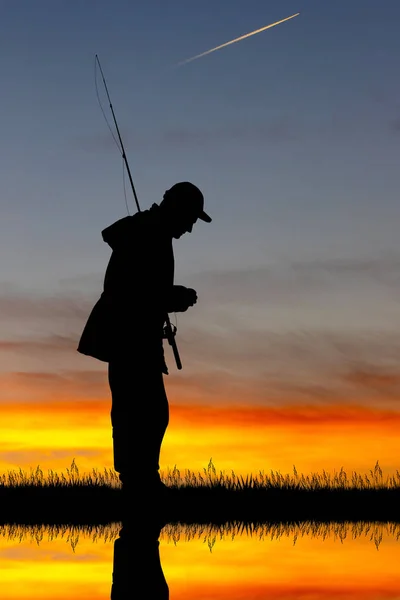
(169, 331)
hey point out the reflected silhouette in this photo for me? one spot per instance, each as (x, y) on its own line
(126, 329)
(137, 570)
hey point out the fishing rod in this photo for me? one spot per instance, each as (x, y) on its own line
(169, 330)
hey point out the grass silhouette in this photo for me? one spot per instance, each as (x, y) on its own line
(209, 534)
(36, 479)
(204, 497)
(208, 478)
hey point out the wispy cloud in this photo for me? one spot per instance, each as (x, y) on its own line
(285, 280)
(282, 415)
(42, 331)
(46, 386)
(246, 367)
(53, 343)
(27, 305)
(287, 332)
(263, 368)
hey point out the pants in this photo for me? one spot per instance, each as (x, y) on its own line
(139, 419)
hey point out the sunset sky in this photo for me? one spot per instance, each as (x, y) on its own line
(291, 355)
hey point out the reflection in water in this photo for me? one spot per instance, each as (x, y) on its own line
(137, 570)
(69, 533)
(325, 561)
(209, 533)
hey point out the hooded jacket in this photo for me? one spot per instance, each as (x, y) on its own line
(128, 318)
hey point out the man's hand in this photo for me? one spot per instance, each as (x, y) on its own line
(191, 297)
(183, 298)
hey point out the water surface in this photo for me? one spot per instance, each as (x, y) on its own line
(300, 561)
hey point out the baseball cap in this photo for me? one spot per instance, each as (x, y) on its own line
(190, 194)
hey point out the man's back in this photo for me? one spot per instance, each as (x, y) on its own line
(137, 285)
(141, 268)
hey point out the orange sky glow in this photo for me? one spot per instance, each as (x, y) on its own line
(243, 439)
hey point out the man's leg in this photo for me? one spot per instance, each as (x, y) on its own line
(139, 417)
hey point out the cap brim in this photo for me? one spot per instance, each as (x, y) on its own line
(204, 217)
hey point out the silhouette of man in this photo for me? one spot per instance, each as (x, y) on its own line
(137, 569)
(126, 328)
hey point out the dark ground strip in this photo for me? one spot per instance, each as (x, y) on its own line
(101, 504)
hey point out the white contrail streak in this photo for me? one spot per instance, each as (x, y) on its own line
(239, 39)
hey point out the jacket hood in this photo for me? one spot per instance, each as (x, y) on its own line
(122, 230)
(119, 231)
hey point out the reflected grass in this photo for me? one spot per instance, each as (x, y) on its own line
(210, 534)
(274, 531)
(38, 533)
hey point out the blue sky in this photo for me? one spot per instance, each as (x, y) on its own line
(293, 135)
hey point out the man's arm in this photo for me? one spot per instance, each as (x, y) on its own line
(181, 299)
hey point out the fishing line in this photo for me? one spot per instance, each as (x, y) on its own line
(101, 106)
(112, 133)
